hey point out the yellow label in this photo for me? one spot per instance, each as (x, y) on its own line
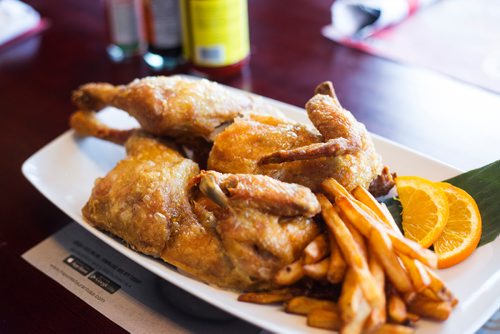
(217, 31)
(186, 35)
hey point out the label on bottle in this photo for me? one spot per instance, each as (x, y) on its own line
(218, 31)
(165, 24)
(124, 22)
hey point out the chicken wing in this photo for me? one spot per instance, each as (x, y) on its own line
(259, 192)
(296, 153)
(342, 134)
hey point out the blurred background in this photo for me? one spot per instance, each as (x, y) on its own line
(425, 74)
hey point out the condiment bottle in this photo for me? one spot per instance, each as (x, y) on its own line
(163, 27)
(215, 35)
(126, 28)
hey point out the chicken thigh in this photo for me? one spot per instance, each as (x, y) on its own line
(145, 196)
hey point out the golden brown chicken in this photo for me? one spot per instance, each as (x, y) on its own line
(263, 224)
(149, 185)
(234, 229)
(170, 106)
(189, 110)
(151, 201)
(293, 152)
(85, 123)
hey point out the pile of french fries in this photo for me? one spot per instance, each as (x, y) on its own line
(386, 280)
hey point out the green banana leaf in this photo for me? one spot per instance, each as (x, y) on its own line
(483, 184)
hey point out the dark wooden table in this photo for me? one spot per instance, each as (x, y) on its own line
(452, 121)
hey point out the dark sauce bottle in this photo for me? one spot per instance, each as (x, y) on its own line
(163, 27)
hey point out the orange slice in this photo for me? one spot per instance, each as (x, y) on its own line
(425, 209)
(462, 233)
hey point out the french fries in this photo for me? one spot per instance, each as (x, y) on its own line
(316, 250)
(418, 274)
(393, 329)
(397, 309)
(271, 297)
(324, 318)
(290, 274)
(353, 305)
(430, 309)
(364, 196)
(381, 246)
(333, 189)
(363, 250)
(378, 315)
(353, 253)
(438, 287)
(337, 266)
(365, 223)
(318, 270)
(304, 305)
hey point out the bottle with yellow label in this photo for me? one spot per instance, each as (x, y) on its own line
(215, 36)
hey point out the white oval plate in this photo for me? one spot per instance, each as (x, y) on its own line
(65, 169)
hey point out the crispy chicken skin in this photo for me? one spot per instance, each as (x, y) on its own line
(263, 225)
(145, 200)
(240, 146)
(259, 192)
(151, 201)
(145, 196)
(251, 214)
(293, 152)
(169, 106)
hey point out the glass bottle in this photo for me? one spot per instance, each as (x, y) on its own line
(126, 28)
(163, 27)
(215, 35)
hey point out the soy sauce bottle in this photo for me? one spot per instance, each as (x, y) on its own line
(163, 27)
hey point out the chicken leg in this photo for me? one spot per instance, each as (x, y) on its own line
(170, 106)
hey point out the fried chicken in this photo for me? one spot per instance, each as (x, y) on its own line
(236, 225)
(145, 196)
(293, 152)
(263, 224)
(170, 106)
(151, 201)
(189, 110)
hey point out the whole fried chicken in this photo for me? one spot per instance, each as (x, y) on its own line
(234, 231)
(236, 225)
(293, 152)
